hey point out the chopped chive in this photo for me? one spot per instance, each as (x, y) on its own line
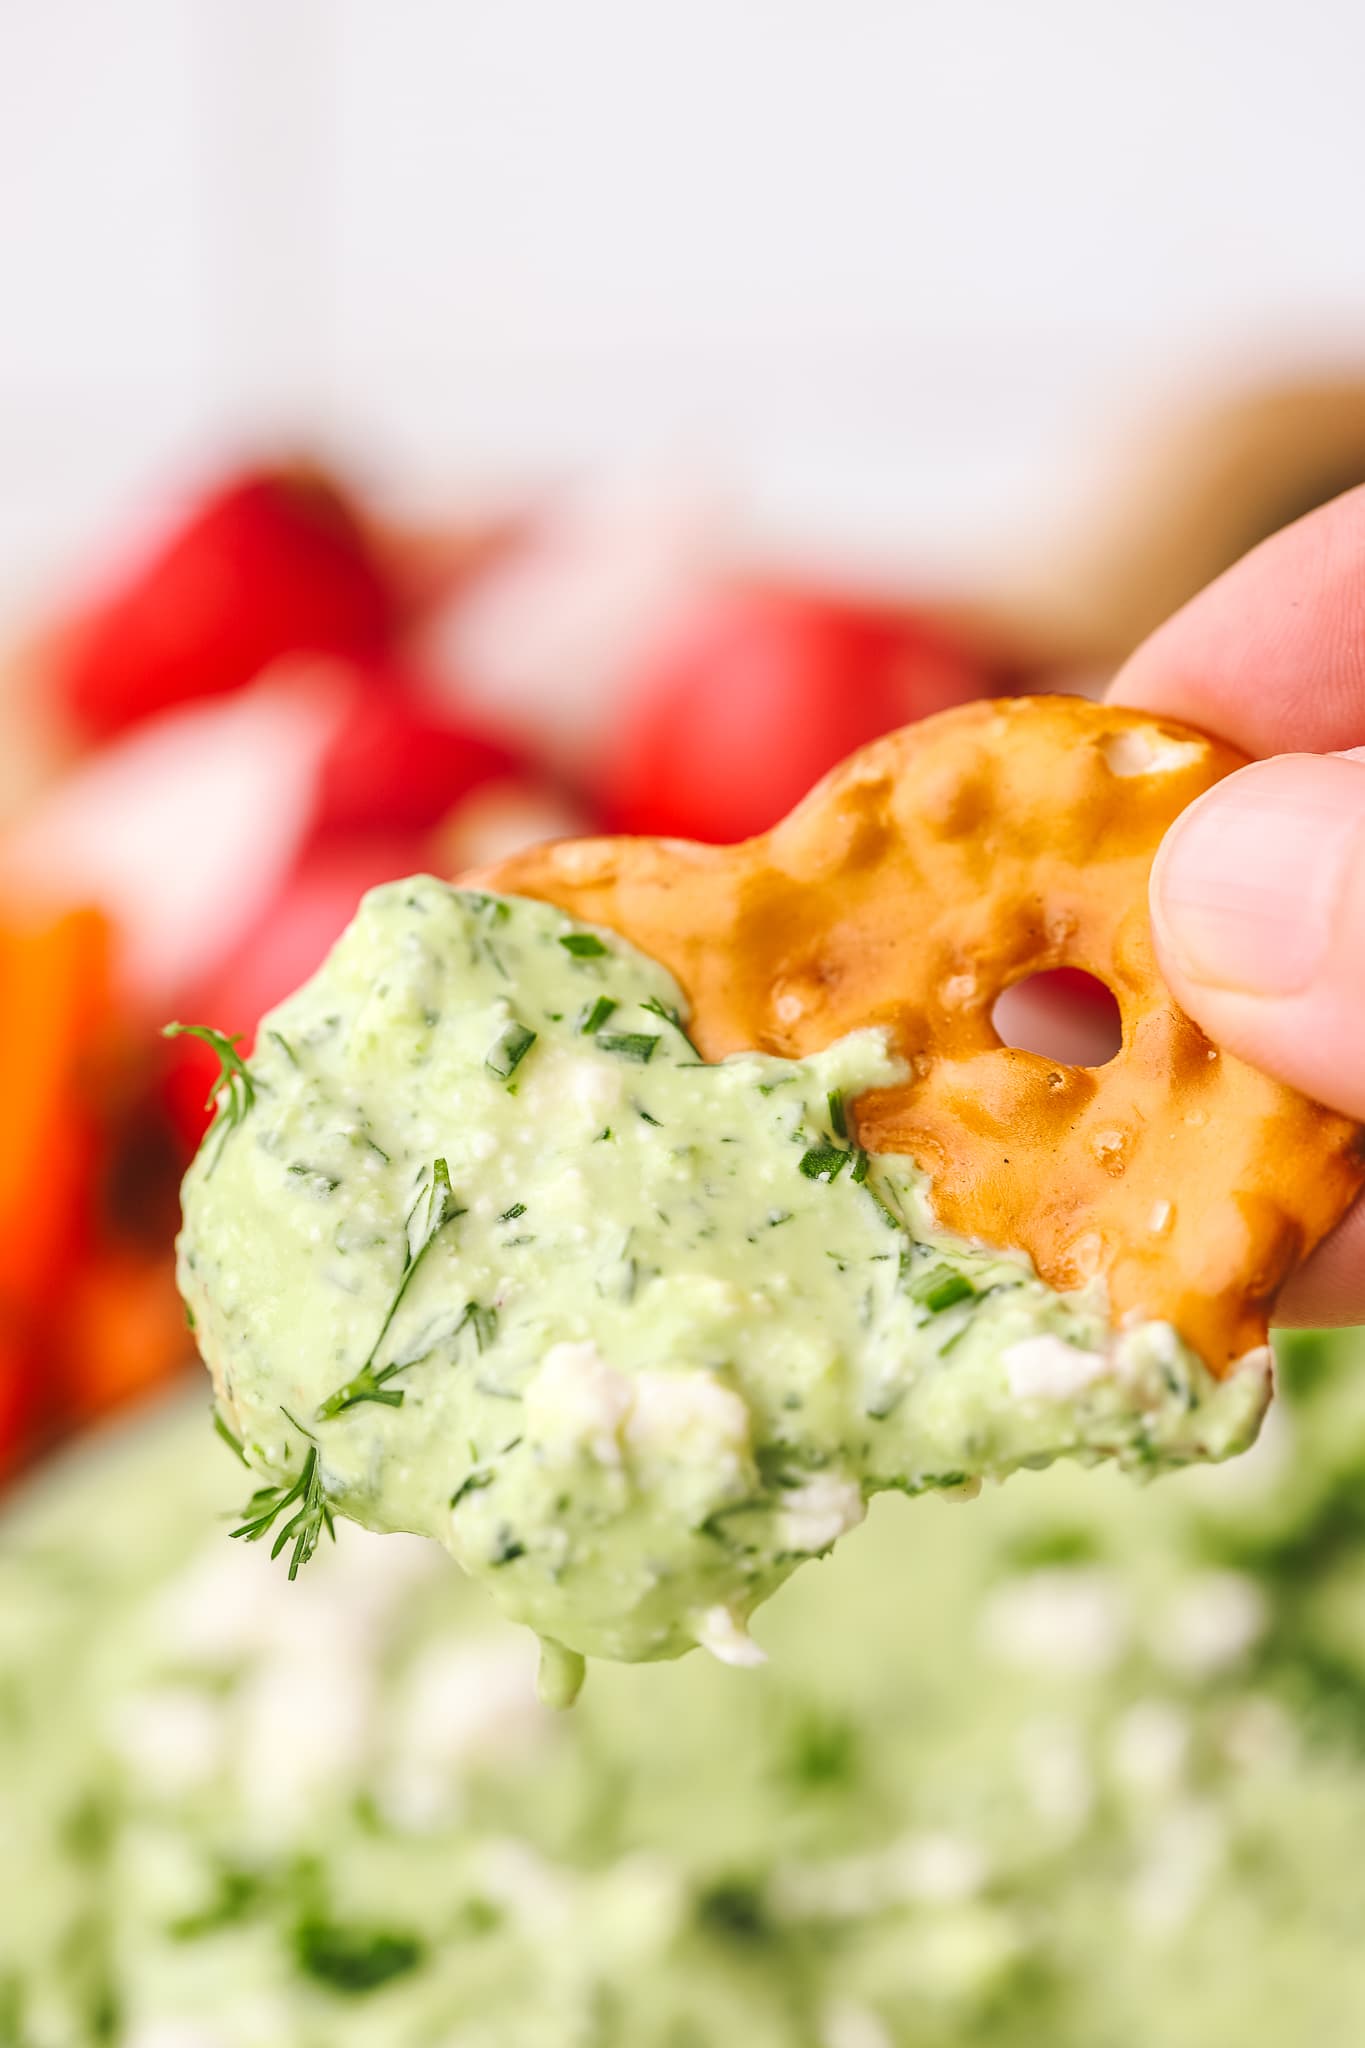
(509, 1050)
(631, 1045)
(649, 1119)
(823, 1162)
(511, 1215)
(838, 1122)
(593, 1016)
(285, 1047)
(939, 1288)
(583, 945)
(860, 1166)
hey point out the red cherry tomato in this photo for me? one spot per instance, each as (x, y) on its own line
(757, 695)
(273, 562)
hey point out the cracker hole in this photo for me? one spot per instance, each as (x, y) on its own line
(1062, 1014)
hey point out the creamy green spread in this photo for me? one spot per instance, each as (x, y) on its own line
(480, 1248)
(1103, 1781)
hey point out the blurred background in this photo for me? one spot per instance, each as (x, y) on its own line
(429, 426)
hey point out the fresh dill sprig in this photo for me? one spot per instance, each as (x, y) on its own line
(233, 1443)
(233, 1092)
(371, 1382)
(670, 1016)
(311, 1515)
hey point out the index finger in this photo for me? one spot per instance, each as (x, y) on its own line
(1272, 655)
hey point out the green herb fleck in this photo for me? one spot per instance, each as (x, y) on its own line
(369, 1384)
(509, 1049)
(823, 1162)
(482, 1321)
(511, 1215)
(354, 1959)
(473, 1482)
(939, 1288)
(860, 1166)
(838, 1121)
(594, 1015)
(670, 1016)
(631, 1045)
(583, 945)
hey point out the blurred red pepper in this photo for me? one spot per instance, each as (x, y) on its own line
(398, 761)
(272, 562)
(760, 691)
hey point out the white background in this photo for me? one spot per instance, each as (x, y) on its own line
(893, 271)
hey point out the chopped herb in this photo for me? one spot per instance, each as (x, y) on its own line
(482, 1321)
(369, 1384)
(860, 1166)
(777, 1216)
(631, 1045)
(670, 1016)
(508, 1550)
(473, 1482)
(838, 1122)
(583, 945)
(240, 1893)
(594, 1015)
(939, 1288)
(823, 1162)
(647, 1118)
(354, 1959)
(312, 1515)
(509, 1049)
(326, 1181)
(494, 908)
(278, 1038)
(233, 1443)
(511, 1215)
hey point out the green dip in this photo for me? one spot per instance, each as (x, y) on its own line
(479, 1248)
(1083, 1767)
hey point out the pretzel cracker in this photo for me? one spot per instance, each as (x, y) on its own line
(928, 873)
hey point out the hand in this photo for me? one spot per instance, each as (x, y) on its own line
(1258, 893)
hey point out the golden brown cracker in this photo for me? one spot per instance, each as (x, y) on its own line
(916, 882)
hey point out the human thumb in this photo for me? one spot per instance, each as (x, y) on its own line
(1258, 906)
